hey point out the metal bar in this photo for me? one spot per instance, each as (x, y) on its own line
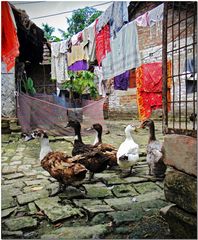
(180, 21)
(191, 133)
(195, 12)
(164, 68)
(186, 56)
(181, 101)
(179, 59)
(173, 67)
(174, 50)
(183, 74)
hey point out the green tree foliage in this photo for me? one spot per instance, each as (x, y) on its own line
(48, 31)
(80, 19)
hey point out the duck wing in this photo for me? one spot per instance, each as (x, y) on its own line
(60, 168)
(80, 148)
(109, 151)
(94, 161)
(154, 152)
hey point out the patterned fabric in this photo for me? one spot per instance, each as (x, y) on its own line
(78, 66)
(149, 88)
(10, 43)
(124, 53)
(102, 43)
(116, 15)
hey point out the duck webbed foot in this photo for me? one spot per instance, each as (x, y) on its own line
(60, 189)
(91, 176)
(127, 174)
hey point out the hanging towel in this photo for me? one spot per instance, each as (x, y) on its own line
(116, 15)
(59, 69)
(10, 43)
(149, 88)
(124, 53)
(121, 82)
(102, 43)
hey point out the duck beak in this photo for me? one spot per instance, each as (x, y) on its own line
(136, 129)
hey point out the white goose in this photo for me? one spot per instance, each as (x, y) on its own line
(128, 152)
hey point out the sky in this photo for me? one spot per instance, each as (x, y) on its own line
(42, 8)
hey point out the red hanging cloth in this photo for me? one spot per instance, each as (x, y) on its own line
(149, 88)
(102, 42)
(9, 39)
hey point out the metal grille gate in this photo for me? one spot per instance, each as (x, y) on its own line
(180, 46)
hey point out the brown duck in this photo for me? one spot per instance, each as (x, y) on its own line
(59, 165)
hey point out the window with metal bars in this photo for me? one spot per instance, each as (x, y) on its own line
(180, 47)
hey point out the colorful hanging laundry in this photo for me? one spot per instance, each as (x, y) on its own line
(102, 43)
(77, 54)
(10, 43)
(124, 53)
(149, 88)
(78, 66)
(121, 82)
(116, 15)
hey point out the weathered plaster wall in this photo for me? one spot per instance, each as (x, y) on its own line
(8, 105)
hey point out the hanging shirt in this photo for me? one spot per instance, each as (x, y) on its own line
(10, 43)
(102, 43)
(116, 15)
(59, 69)
(121, 82)
(124, 53)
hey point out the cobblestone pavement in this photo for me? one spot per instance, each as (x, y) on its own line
(114, 207)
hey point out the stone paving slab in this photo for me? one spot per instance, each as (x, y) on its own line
(7, 212)
(90, 232)
(55, 211)
(124, 190)
(98, 190)
(7, 201)
(20, 223)
(32, 196)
